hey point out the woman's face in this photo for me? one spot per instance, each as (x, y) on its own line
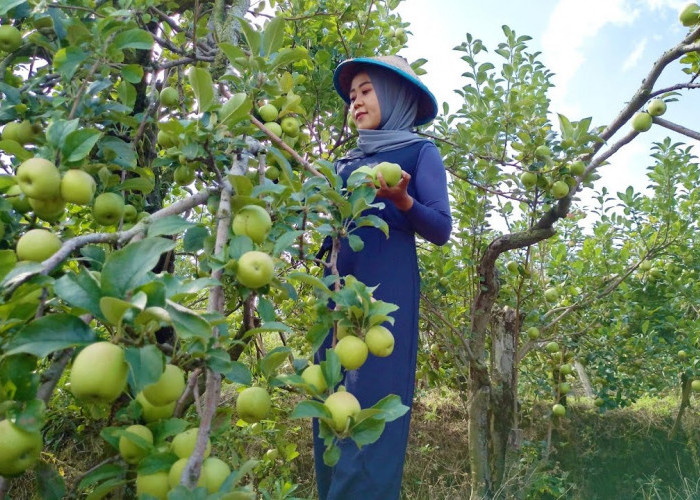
(364, 104)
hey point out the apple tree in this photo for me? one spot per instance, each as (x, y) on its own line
(166, 187)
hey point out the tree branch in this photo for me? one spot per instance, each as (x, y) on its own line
(677, 128)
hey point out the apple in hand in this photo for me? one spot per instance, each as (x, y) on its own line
(99, 373)
(380, 341)
(313, 375)
(19, 449)
(342, 405)
(77, 186)
(10, 38)
(253, 404)
(155, 485)
(39, 178)
(215, 471)
(37, 245)
(255, 269)
(131, 451)
(183, 444)
(168, 388)
(352, 352)
(108, 209)
(252, 221)
(391, 172)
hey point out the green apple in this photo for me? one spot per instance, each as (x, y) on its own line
(99, 373)
(695, 385)
(130, 213)
(275, 128)
(542, 152)
(566, 369)
(131, 450)
(183, 444)
(268, 113)
(21, 132)
(175, 474)
(380, 341)
(169, 97)
(50, 209)
(184, 175)
(533, 333)
(215, 471)
(290, 126)
(342, 406)
(165, 140)
(641, 121)
(18, 200)
(255, 269)
(656, 107)
(352, 352)
(19, 448)
(551, 294)
(77, 186)
(313, 375)
(528, 179)
(39, 178)
(564, 388)
(690, 15)
(168, 388)
(37, 245)
(10, 38)
(152, 413)
(108, 209)
(253, 404)
(558, 410)
(599, 402)
(645, 265)
(682, 355)
(512, 266)
(252, 221)
(559, 189)
(577, 168)
(155, 485)
(391, 172)
(272, 173)
(272, 454)
(552, 347)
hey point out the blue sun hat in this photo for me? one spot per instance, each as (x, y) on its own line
(346, 71)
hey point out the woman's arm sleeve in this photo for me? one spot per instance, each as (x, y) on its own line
(430, 214)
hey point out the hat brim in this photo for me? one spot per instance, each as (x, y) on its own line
(346, 71)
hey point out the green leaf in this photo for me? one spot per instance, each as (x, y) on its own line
(67, 60)
(367, 431)
(19, 379)
(273, 36)
(102, 473)
(80, 290)
(274, 359)
(79, 143)
(146, 365)
(156, 462)
(14, 148)
(309, 280)
(355, 242)
(391, 408)
(132, 73)
(310, 409)
(118, 151)
(133, 39)
(50, 484)
(233, 52)
(252, 36)
(143, 185)
(58, 130)
(50, 333)
(288, 56)
(172, 224)
(331, 368)
(202, 86)
(126, 268)
(104, 489)
(194, 238)
(271, 326)
(285, 241)
(331, 455)
(8, 259)
(187, 323)
(234, 110)
(8, 5)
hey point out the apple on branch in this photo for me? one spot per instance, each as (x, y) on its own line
(19, 449)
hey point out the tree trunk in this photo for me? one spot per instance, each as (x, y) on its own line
(503, 391)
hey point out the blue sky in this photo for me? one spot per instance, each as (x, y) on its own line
(599, 50)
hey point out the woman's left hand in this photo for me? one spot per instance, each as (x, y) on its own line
(398, 194)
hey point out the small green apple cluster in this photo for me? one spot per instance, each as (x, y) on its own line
(287, 127)
(353, 350)
(545, 177)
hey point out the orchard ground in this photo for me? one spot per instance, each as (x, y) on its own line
(619, 453)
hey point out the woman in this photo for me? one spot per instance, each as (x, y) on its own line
(386, 99)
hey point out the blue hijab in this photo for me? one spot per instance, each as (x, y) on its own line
(398, 104)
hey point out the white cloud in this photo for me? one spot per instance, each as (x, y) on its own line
(635, 56)
(571, 24)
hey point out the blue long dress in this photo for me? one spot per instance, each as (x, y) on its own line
(374, 472)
